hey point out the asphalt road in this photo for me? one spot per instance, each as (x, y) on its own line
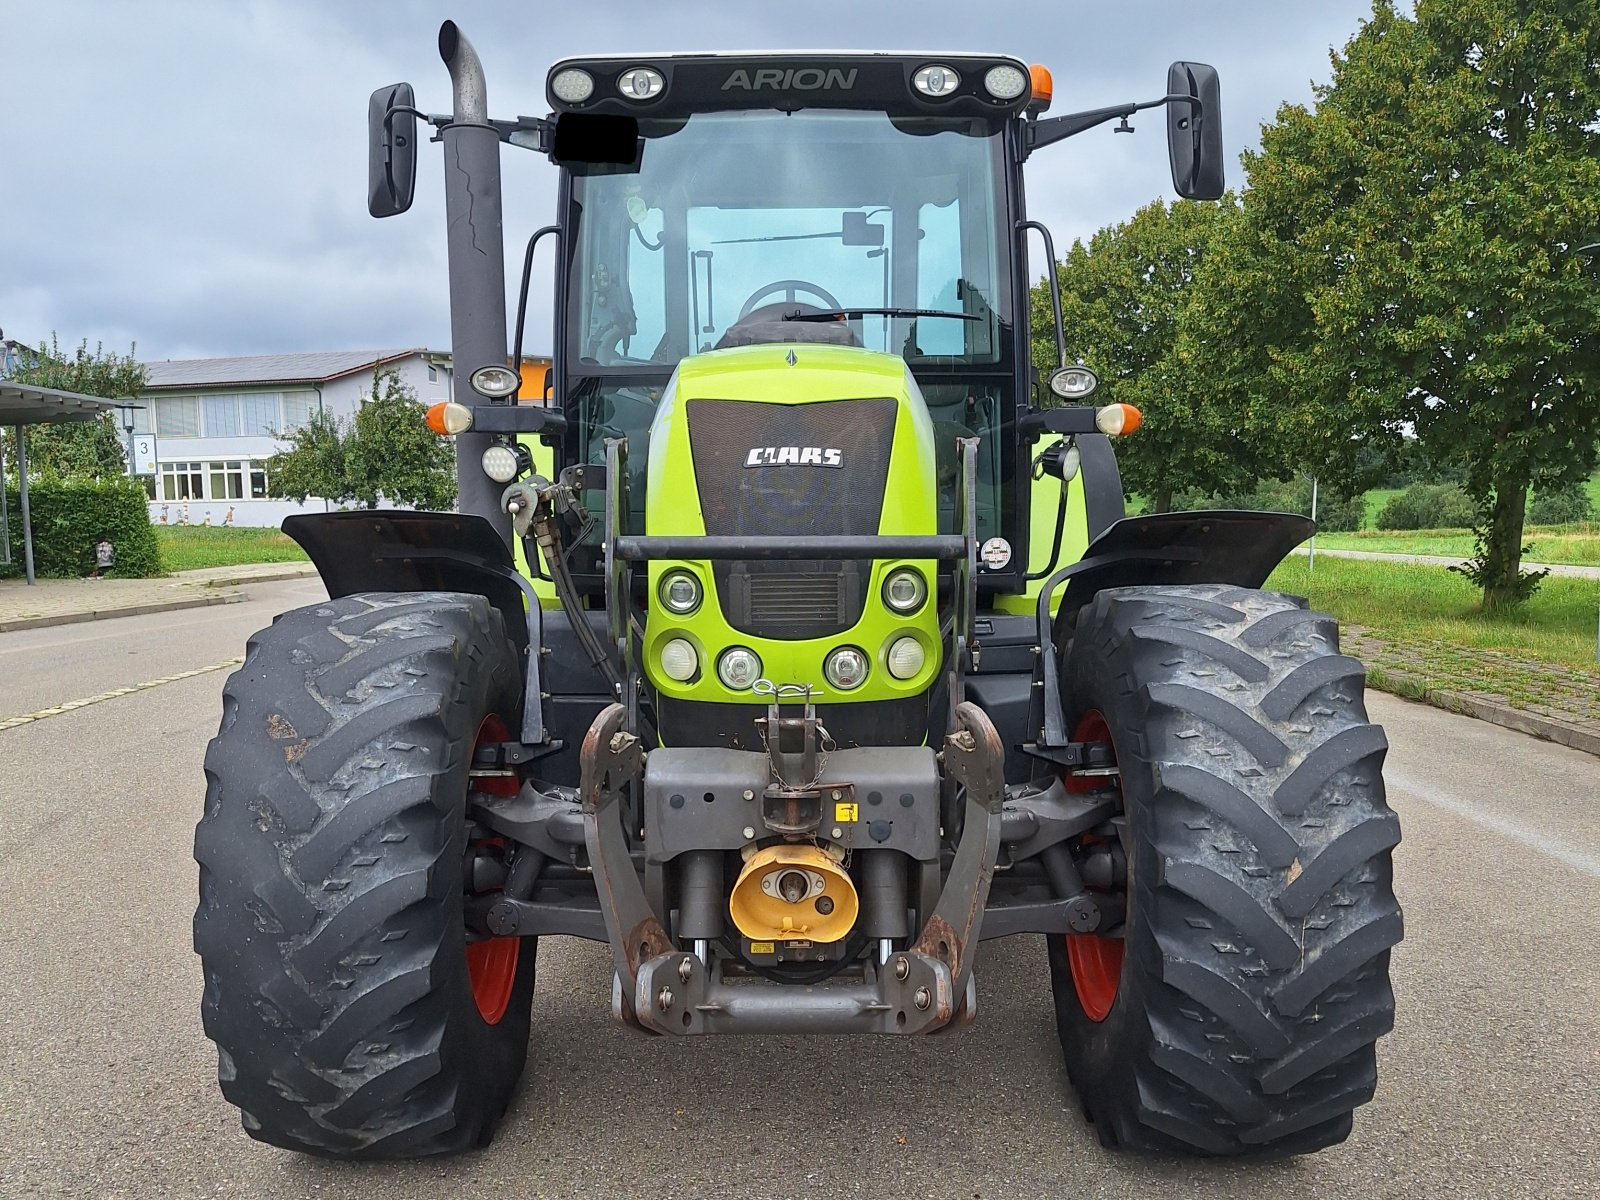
(1489, 1086)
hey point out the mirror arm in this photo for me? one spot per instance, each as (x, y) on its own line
(530, 133)
(1055, 129)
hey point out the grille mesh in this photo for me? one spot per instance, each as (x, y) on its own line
(791, 600)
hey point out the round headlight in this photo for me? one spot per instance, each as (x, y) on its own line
(572, 86)
(500, 463)
(1074, 383)
(679, 660)
(680, 592)
(1005, 83)
(846, 668)
(494, 381)
(936, 81)
(905, 657)
(904, 590)
(739, 669)
(641, 83)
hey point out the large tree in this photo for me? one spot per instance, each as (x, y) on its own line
(1124, 300)
(92, 449)
(1407, 254)
(385, 452)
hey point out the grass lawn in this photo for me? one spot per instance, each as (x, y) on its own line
(188, 547)
(1427, 630)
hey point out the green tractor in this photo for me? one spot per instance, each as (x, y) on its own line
(792, 641)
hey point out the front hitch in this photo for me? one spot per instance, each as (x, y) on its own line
(661, 988)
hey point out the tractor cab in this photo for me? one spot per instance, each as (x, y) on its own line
(868, 201)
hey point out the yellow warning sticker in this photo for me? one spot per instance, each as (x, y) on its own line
(763, 948)
(846, 812)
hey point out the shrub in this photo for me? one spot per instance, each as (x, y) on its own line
(1560, 504)
(70, 517)
(1334, 513)
(1428, 506)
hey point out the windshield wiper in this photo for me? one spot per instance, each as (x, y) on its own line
(835, 314)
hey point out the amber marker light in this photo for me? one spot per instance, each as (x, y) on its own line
(448, 417)
(1118, 420)
(1043, 87)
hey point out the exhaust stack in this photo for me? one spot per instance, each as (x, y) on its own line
(475, 244)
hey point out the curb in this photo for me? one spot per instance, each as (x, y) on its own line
(1465, 704)
(290, 571)
(131, 610)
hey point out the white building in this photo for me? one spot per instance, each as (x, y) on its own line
(215, 419)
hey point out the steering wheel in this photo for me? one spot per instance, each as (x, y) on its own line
(789, 288)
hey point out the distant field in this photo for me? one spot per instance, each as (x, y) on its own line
(1575, 544)
(190, 547)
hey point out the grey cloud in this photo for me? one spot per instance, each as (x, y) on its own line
(191, 175)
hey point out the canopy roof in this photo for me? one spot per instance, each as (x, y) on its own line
(24, 404)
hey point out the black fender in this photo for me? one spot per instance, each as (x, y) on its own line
(1222, 546)
(398, 550)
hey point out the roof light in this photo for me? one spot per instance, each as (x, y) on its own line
(1005, 82)
(936, 80)
(1118, 420)
(641, 83)
(1074, 383)
(572, 86)
(494, 381)
(448, 417)
(1043, 87)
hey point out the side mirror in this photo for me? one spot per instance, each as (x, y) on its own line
(391, 150)
(1194, 131)
(857, 230)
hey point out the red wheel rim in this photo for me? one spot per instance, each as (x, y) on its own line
(492, 963)
(1096, 962)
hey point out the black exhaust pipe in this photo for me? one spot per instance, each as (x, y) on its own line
(475, 244)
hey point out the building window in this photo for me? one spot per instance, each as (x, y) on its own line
(177, 417)
(258, 482)
(182, 481)
(433, 373)
(258, 414)
(227, 480)
(220, 416)
(296, 410)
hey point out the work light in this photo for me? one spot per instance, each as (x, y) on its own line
(936, 80)
(500, 463)
(572, 86)
(1005, 83)
(494, 381)
(641, 83)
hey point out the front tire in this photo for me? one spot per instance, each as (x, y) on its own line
(1238, 1012)
(351, 1017)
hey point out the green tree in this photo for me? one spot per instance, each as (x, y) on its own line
(385, 452)
(1406, 257)
(1124, 300)
(393, 454)
(94, 449)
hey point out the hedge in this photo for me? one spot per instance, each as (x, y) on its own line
(1428, 506)
(69, 518)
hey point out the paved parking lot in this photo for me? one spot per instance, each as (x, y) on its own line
(1489, 1086)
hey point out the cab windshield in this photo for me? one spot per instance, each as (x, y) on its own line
(729, 212)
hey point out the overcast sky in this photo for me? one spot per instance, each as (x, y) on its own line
(192, 176)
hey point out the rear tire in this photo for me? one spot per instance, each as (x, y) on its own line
(1253, 979)
(330, 925)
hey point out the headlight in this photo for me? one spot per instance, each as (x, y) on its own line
(1073, 383)
(641, 83)
(905, 658)
(679, 660)
(493, 381)
(739, 669)
(572, 86)
(936, 80)
(846, 668)
(1005, 83)
(680, 592)
(500, 463)
(904, 590)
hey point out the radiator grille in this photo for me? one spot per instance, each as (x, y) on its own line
(791, 600)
